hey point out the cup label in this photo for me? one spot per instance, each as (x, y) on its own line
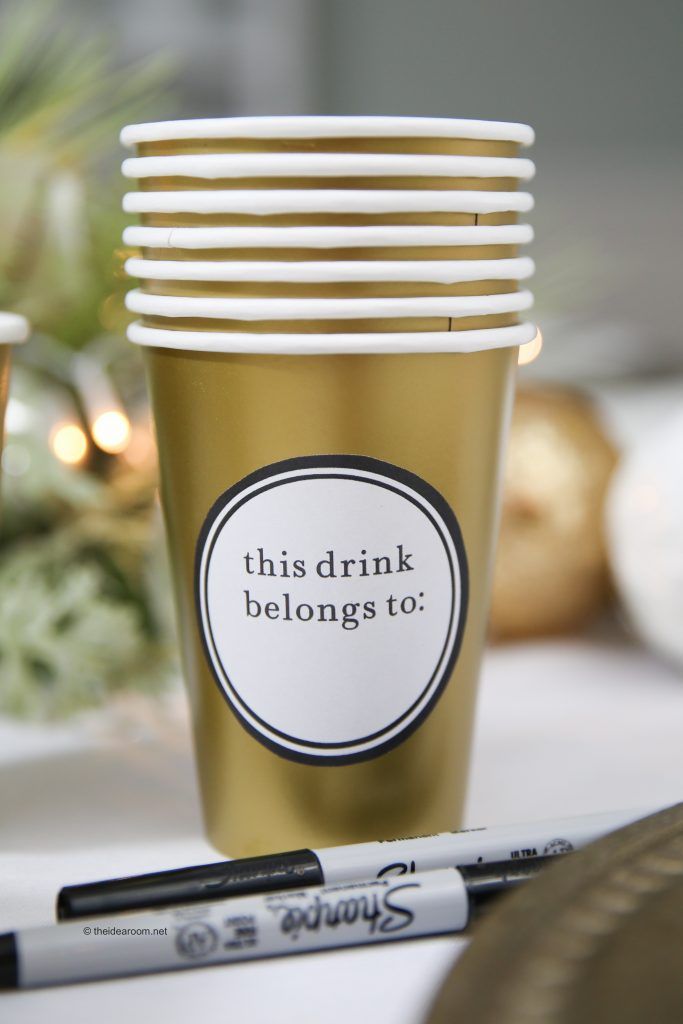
(331, 598)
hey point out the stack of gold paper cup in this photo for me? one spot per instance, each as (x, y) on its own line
(330, 312)
(14, 329)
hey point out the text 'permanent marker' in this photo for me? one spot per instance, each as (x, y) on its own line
(335, 864)
(254, 927)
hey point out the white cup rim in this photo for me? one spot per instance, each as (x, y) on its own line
(375, 236)
(434, 271)
(273, 201)
(303, 126)
(326, 165)
(254, 309)
(14, 329)
(332, 344)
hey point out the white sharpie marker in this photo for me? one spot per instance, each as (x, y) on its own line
(254, 927)
(336, 864)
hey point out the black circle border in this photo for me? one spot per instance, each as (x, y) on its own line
(237, 698)
(368, 464)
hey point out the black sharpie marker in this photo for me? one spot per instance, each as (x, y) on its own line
(255, 927)
(335, 864)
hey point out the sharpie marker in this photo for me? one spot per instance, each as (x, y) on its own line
(254, 927)
(336, 864)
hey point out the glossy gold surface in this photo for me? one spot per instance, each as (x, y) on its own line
(328, 289)
(417, 252)
(329, 219)
(222, 416)
(375, 326)
(420, 182)
(358, 144)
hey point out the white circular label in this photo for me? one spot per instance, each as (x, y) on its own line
(331, 596)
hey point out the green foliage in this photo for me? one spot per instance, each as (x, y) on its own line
(59, 94)
(62, 105)
(66, 641)
(83, 585)
(82, 581)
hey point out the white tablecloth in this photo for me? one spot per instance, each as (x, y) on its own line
(563, 728)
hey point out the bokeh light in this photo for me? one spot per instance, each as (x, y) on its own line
(111, 431)
(69, 443)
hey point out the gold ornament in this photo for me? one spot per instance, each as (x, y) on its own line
(551, 567)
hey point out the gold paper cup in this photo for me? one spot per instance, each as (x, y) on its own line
(328, 279)
(14, 329)
(379, 325)
(292, 207)
(330, 504)
(330, 350)
(328, 134)
(421, 252)
(341, 244)
(293, 315)
(364, 171)
(359, 289)
(208, 338)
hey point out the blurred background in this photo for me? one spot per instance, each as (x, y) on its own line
(592, 527)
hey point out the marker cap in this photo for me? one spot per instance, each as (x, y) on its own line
(291, 870)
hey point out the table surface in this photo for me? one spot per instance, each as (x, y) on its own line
(564, 727)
